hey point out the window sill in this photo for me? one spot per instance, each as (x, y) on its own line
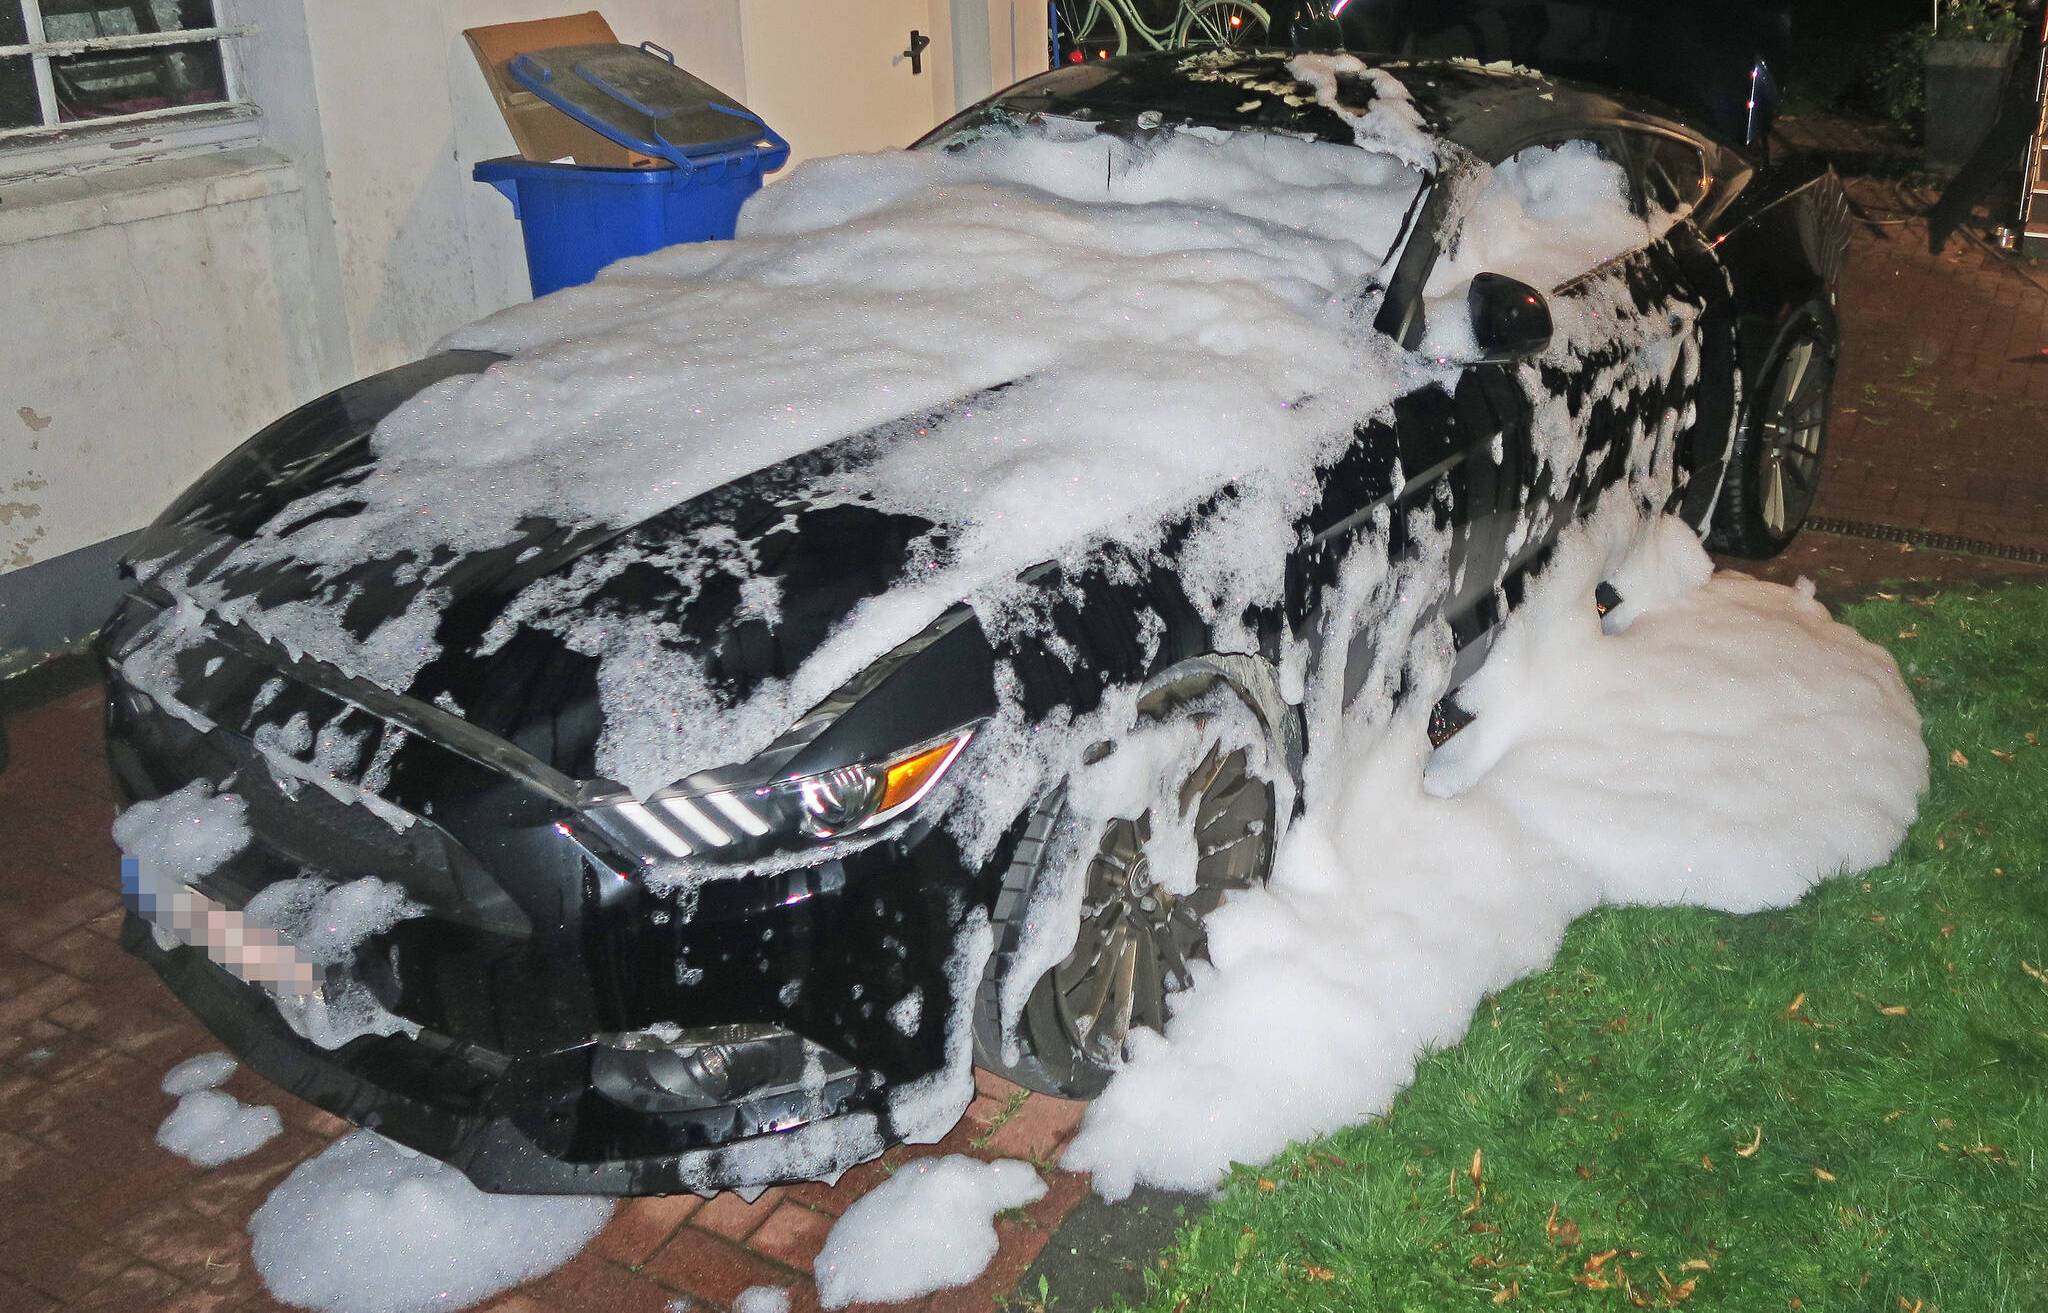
(34, 208)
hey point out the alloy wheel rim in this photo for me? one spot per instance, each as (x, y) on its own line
(1793, 428)
(1137, 939)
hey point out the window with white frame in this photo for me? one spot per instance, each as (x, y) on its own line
(68, 64)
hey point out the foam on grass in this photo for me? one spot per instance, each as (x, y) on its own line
(929, 1226)
(1720, 742)
(370, 1227)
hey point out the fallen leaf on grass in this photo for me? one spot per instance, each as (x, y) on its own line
(1793, 1007)
(1956, 757)
(1597, 1261)
(1478, 1163)
(1910, 631)
(1507, 1292)
(1679, 1293)
(1755, 1142)
(1706, 1162)
(1267, 1183)
(2005, 757)
(1320, 1273)
(1695, 1265)
(1894, 1010)
(1823, 1174)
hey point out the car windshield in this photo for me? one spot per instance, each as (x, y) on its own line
(1127, 156)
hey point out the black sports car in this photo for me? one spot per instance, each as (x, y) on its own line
(559, 1015)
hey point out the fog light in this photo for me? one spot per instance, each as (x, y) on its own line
(708, 1067)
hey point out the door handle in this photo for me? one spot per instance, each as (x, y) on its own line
(918, 42)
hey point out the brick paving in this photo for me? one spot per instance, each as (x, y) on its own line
(1941, 405)
(1942, 426)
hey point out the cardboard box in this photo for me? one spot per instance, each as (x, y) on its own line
(539, 130)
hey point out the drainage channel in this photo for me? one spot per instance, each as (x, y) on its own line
(1934, 542)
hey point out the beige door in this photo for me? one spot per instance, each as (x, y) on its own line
(830, 75)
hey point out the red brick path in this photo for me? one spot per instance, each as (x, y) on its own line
(1941, 408)
(96, 1216)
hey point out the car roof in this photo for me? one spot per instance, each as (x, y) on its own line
(1491, 110)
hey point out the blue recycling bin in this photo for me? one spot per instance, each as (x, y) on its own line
(577, 219)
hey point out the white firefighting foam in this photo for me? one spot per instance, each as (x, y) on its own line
(1719, 742)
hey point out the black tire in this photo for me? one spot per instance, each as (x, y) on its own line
(1774, 471)
(1055, 1053)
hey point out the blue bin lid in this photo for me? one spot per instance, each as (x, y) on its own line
(639, 98)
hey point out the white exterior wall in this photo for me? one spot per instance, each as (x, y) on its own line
(160, 313)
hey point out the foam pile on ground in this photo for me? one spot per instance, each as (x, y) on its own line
(209, 1127)
(1726, 745)
(929, 1226)
(370, 1227)
(762, 1299)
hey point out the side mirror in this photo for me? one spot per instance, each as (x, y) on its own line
(1510, 319)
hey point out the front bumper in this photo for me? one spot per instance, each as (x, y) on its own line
(534, 946)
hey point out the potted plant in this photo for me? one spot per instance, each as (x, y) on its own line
(1969, 53)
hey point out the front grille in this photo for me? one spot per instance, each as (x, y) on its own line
(312, 768)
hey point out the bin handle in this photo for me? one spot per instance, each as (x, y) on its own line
(530, 66)
(688, 165)
(654, 49)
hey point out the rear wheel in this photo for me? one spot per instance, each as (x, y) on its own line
(1137, 936)
(1227, 23)
(1775, 470)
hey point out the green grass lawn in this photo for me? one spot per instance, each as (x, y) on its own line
(1837, 1106)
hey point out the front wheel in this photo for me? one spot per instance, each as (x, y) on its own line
(1140, 927)
(1774, 472)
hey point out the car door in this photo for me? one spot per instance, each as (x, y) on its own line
(1676, 175)
(1618, 398)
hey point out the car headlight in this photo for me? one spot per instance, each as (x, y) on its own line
(735, 821)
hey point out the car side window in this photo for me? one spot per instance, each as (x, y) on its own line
(1549, 213)
(1673, 173)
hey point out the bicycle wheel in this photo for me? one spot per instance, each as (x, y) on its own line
(1231, 24)
(1092, 28)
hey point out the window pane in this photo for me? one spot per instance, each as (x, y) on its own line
(77, 20)
(18, 94)
(109, 82)
(1684, 170)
